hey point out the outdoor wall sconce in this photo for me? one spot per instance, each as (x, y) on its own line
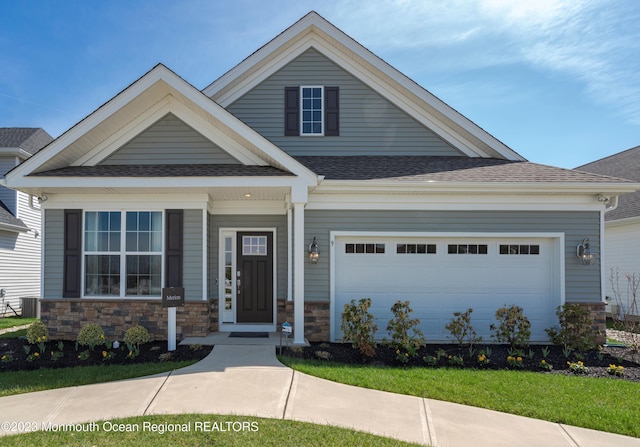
(314, 252)
(583, 251)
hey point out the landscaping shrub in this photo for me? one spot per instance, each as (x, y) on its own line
(513, 327)
(575, 331)
(134, 337)
(358, 326)
(461, 329)
(91, 335)
(37, 332)
(406, 338)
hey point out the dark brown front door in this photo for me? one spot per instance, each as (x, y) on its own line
(254, 278)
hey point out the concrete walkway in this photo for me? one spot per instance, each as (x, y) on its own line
(248, 380)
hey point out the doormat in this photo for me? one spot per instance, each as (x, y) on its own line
(249, 335)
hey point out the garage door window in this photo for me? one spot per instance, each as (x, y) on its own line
(419, 249)
(467, 249)
(365, 248)
(513, 249)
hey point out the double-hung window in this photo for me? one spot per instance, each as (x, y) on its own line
(311, 110)
(122, 253)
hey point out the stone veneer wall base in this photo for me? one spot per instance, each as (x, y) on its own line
(65, 317)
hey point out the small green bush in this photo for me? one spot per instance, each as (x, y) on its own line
(358, 326)
(91, 335)
(405, 335)
(513, 327)
(575, 331)
(37, 332)
(134, 337)
(461, 329)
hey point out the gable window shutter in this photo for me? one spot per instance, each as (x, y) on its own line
(331, 111)
(174, 248)
(291, 111)
(72, 253)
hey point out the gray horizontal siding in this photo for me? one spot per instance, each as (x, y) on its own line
(251, 221)
(582, 283)
(192, 261)
(369, 124)
(53, 253)
(169, 141)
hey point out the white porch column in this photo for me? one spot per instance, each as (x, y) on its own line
(299, 256)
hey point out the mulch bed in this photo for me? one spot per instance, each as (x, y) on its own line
(149, 352)
(597, 363)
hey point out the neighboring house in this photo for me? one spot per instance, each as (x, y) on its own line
(20, 240)
(621, 231)
(312, 139)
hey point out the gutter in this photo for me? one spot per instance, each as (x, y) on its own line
(598, 189)
(14, 228)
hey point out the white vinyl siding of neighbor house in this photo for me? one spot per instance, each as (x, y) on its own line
(581, 284)
(250, 221)
(622, 245)
(20, 254)
(8, 196)
(369, 123)
(54, 254)
(169, 141)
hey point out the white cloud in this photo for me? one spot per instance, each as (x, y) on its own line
(593, 41)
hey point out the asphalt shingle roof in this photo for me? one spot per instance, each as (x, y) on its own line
(31, 139)
(444, 169)
(6, 218)
(186, 170)
(625, 164)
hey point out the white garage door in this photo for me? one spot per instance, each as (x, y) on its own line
(442, 275)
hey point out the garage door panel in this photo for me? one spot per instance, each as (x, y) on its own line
(439, 284)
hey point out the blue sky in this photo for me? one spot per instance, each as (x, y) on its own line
(557, 81)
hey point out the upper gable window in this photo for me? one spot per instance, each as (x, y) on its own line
(311, 110)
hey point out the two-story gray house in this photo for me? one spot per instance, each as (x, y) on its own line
(20, 239)
(310, 174)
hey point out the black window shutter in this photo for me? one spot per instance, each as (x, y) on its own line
(174, 248)
(72, 253)
(291, 111)
(331, 111)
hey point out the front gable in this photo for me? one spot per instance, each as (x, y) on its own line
(314, 32)
(370, 124)
(169, 141)
(158, 120)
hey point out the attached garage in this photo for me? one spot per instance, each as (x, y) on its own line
(444, 273)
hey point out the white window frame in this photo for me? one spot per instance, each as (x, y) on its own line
(312, 134)
(123, 254)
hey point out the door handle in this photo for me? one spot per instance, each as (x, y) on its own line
(238, 284)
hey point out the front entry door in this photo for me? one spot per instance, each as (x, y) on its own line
(254, 277)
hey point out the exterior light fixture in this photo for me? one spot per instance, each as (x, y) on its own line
(583, 251)
(314, 252)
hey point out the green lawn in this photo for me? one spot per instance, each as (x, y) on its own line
(7, 322)
(602, 404)
(262, 432)
(14, 334)
(18, 382)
